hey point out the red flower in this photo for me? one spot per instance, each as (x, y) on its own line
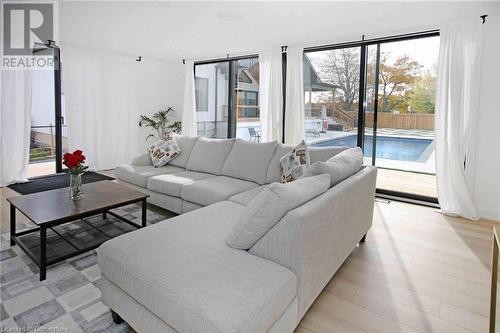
(73, 160)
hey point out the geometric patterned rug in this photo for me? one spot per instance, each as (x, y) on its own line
(69, 300)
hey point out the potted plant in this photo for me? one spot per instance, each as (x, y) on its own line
(76, 168)
(161, 124)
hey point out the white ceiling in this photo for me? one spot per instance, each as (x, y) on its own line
(201, 30)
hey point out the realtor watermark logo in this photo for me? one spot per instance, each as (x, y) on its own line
(27, 29)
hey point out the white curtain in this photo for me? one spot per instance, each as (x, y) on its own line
(271, 95)
(294, 105)
(189, 127)
(457, 109)
(101, 106)
(15, 122)
(487, 179)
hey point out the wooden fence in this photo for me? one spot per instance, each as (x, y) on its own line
(421, 121)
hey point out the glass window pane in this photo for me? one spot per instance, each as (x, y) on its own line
(404, 147)
(246, 99)
(211, 89)
(331, 86)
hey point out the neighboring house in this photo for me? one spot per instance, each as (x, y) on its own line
(211, 82)
(211, 90)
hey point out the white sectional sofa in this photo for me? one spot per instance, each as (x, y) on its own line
(180, 276)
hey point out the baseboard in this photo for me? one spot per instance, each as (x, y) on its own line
(489, 214)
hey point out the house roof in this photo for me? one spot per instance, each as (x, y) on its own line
(312, 79)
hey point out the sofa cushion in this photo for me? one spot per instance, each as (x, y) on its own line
(171, 184)
(182, 271)
(186, 144)
(244, 198)
(139, 174)
(273, 170)
(211, 190)
(323, 153)
(142, 159)
(209, 155)
(189, 206)
(249, 161)
(270, 205)
(340, 166)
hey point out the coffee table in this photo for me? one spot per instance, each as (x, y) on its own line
(49, 210)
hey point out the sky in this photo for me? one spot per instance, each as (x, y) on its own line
(423, 50)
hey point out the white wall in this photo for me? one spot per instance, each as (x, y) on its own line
(106, 92)
(157, 85)
(487, 178)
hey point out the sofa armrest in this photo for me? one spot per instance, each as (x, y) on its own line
(142, 159)
(314, 239)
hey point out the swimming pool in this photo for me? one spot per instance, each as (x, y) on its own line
(391, 148)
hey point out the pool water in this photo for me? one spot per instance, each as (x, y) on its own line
(391, 148)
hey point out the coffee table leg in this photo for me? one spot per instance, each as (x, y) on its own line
(12, 224)
(43, 253)
(144, 213)
(104, 215)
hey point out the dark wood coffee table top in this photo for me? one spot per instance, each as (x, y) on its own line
(55, 205)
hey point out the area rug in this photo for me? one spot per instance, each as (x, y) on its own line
(69, 300)
(52, 182)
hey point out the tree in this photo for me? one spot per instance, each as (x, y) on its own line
(341, 67)
(421, 97)
(396, 80)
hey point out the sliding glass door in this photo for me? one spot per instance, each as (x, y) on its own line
(331, 86)
(379, 96)
(211, 93)
(227, 99)
(48, 139)
(403, 145)
(246, 99)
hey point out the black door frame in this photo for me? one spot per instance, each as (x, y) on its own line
(362, 103)
(58, 118)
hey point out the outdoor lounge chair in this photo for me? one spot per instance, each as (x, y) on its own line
(254, 135)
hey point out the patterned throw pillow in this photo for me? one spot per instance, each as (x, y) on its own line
(293, 164)
(164, 151)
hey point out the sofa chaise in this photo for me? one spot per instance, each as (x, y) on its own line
(180, 276)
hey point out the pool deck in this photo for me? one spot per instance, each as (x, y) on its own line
(416, 177)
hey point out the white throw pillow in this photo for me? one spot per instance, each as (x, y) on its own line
(269, 207)
(339, 167)
(293, 164)
(163, 151)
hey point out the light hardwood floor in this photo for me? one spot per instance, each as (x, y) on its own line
(419, 271)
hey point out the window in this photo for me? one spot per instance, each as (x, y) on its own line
(378, 95)
(201, 94)
(246, 99)
(211, 89)
(331, 87)
(227, 99)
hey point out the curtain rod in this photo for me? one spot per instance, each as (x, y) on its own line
(227, 58)
(393, 38)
